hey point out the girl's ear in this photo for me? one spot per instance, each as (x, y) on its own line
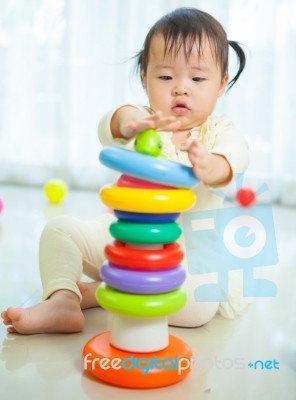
(143, 78)
(223, 85)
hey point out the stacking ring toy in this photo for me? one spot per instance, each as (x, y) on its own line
(144, 218)
(147, 200)
(130, 181)
(149, 168)
(132, 232)
(123, 256)
(142, 282)
(140, 305)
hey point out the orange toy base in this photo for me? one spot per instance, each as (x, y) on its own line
(137, 370)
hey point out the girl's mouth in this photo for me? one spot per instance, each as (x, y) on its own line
(180, 108)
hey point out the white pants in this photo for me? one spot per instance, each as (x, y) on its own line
(70, 247)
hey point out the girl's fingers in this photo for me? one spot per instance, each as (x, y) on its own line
(164, 122)
(131, 129)
(191, 147)
(155, 121)
(168, 124)
(156, 116)
(174, 126)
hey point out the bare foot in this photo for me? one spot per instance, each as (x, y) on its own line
(88, 291)
(61, 313)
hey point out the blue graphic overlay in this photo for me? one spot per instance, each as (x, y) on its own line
(232, 238)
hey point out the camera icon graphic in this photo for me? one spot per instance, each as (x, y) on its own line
(244, 236)
(227, 239)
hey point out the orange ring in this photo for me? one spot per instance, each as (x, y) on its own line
(119, 254)
(99, 348)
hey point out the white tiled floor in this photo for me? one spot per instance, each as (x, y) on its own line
(50, 366)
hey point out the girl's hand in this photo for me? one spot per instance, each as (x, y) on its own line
(212, 169)
(130, 127)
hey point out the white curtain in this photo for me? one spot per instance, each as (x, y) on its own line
(63, 63)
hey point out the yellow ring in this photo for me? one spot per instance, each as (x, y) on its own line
(147, 200)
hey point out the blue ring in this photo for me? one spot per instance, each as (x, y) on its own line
(142, 282)
(146, 167)
(143, 217)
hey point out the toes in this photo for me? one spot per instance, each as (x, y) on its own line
(13, 314)
(6, 319)
(11, 329)
(4, 314)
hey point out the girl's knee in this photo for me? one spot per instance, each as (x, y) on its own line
(59, 224)
(194, 315)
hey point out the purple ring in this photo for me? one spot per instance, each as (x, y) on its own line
(142, 282)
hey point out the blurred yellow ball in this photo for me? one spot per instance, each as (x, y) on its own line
(55, 190)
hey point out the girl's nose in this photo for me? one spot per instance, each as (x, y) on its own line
(180, 90)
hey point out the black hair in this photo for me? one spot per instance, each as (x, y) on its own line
(187, 27)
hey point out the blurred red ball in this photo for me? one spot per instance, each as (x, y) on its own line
(1, 205)
(245, 197)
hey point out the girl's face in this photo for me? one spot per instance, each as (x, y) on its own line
(186, 89)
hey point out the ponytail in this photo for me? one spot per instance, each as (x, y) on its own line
(242, 61)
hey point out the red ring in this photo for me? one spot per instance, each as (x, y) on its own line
(141, 259)
(131, 181)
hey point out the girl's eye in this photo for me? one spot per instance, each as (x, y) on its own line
(198, 79)
(165, 77)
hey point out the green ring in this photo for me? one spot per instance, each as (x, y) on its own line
(134, 232)
(140, 305)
